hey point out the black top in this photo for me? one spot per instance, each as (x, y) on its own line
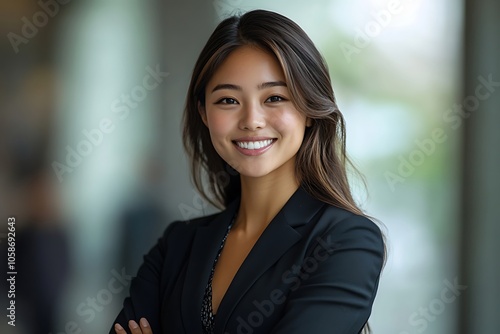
(207, 316)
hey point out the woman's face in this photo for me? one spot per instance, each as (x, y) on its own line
(253, 124)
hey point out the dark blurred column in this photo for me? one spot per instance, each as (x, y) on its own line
(480, 303)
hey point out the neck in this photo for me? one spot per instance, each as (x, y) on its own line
(262, 198)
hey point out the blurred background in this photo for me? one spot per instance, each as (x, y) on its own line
(92, 166)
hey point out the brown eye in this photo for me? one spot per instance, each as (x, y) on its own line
(227, 100)
(275, 99)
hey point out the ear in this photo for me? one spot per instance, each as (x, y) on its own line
(309, 122)
(203, 113)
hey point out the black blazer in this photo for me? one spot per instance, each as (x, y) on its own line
(315, 269)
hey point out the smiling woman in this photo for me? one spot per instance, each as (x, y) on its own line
(253, 124)
(290, 252)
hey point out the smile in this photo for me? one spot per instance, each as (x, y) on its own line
(254, 145)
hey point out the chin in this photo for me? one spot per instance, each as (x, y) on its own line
(254, 173)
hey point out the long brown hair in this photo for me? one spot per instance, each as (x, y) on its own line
(321, 162)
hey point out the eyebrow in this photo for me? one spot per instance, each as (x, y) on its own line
(260, 87)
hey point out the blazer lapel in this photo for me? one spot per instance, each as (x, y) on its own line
(276, 239)
(205, 246)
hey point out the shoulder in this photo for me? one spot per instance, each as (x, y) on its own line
(338, 217)
(183, 231)
(312, 214)
(186, 227)
(347, 228)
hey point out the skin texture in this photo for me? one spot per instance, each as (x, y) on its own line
(248, 98)
(254, 110)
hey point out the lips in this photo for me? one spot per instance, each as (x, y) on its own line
(254, 146)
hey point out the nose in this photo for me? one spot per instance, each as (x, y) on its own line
(252, 118)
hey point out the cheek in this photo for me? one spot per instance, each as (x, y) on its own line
(290, 124)
(219, 125)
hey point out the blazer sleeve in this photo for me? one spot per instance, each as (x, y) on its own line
(336, 295)
(144, 299)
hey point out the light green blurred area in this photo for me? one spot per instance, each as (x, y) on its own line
(397, 68)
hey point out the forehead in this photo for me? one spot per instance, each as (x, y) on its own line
(248, 64)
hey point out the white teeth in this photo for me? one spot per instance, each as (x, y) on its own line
(254, 145)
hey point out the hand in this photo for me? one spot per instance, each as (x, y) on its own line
(144, 327)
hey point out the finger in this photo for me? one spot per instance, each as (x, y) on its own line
(146, 329)
(119, 329)
(134, 327)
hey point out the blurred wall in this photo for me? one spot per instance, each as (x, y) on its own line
(128, 62)
(91, 159)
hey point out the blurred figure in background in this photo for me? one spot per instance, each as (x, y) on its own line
(43, 257)
(28, 190)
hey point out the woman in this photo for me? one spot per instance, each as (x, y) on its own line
(291, 252)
